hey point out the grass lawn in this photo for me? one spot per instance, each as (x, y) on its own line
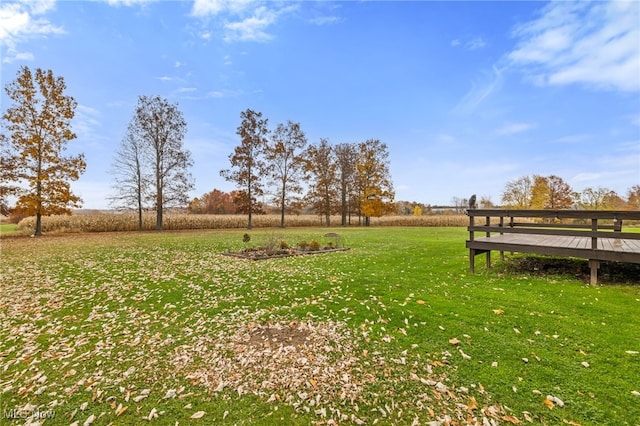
(8, 228)
(117, 328)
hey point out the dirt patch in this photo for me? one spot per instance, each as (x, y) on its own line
(269, 336)
(301, 364)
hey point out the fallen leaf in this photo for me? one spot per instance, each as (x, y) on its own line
(632, 352)
(510, 419)
(121, 410)
(569, 422)
(498, 311)
(420, 302)
(555, 400)
(549, 404)
(89, 420)
(473, 404)
(197, 415)
(454, 341)
(153, 414)
(635, 393)
(585, 364)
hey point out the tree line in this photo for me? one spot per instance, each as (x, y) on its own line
(347, 178)
(552, 192)
(151, 167)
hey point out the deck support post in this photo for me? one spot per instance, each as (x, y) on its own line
(594, 265)
(472, 257)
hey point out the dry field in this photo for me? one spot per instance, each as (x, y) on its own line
(128, 222)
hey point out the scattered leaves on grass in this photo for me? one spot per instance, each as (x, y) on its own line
(198, 415)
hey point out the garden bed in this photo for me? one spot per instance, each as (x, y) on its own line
(262, 254)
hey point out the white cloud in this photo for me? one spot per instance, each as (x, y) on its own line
(20, 22)
(204, 8)
(326, 20)
(86, 124)
(514, 128)
(252, 28)
(127, 2)
(472, 44)
(476, 43)
(571, 139)
(242, 20)
(20, 56)
(479, 92)
(591, 43)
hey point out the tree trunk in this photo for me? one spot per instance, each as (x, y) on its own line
(159, 189)
(344, 207)
(159, 214)
(282, 201)
(159, 209)
(38, 231)
(327, 211)
(139, 214)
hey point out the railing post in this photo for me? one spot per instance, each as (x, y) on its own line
(472, 252)
(594, 238)
(488, 234)
(501, 233)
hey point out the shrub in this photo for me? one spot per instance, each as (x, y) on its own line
(284, 245)
(314, 245)
(303, 245)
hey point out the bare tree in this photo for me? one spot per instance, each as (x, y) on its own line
(132, 180)
(321, 168)
(459, 204)
(247, 162)
(285, 164)
(346, 159)
(161, 128)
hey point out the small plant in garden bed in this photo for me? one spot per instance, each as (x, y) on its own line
(282, 249)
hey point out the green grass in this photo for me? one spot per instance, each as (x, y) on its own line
(83, 310)
(8, 228)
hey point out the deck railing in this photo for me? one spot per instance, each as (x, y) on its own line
(599, 226)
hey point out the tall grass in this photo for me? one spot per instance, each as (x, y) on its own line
(129, 222)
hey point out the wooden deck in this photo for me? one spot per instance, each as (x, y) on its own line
(594, 235)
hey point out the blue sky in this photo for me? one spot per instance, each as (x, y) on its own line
(467, 95)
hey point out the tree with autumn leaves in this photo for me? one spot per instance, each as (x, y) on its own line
(343, 178)
(39, 127)
(552, 192)
(247, 163)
